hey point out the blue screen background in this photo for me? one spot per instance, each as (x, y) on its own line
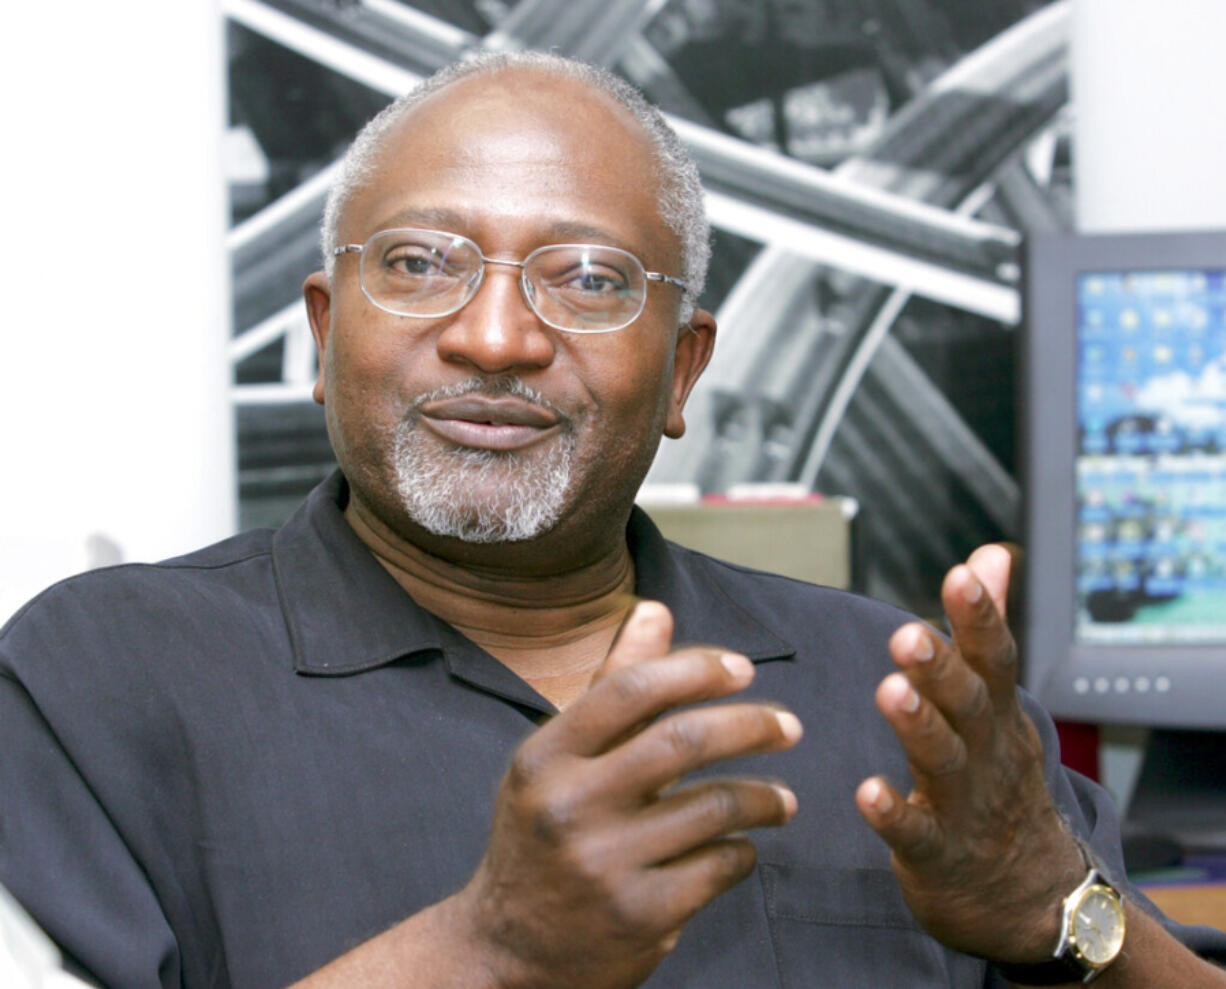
(1151, 456)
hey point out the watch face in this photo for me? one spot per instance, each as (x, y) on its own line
(1098, 925)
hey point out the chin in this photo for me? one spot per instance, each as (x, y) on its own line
(483, 524)
(482, 496)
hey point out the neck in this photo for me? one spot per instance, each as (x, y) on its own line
(553, 629)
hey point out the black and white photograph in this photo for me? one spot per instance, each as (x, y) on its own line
(870, 167)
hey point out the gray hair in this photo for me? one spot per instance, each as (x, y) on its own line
(680, 196)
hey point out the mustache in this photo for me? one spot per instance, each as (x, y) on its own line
(508, 385)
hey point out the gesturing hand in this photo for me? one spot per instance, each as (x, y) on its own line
(596, 858)
(979, 849)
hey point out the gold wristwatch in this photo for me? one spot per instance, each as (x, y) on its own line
(1091, 937)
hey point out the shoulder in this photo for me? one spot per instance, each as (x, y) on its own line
(93, 610)
(811, 616)
(773, 590)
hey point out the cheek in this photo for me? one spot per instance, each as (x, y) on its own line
(359, 355)
(613, 456)
(364, 392)
(367, 365)
(630, 389)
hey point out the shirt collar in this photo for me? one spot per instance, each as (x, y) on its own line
(346, 614)
(701, 592)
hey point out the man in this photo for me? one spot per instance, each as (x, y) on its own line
(279, 758)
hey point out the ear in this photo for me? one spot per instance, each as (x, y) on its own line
(317, 293)
(695, 342)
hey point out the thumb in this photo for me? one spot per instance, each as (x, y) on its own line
(646, 633)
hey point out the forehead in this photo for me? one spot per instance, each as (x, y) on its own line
(515, 156)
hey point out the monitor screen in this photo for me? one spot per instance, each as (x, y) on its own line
(1151, 456)
(1124, 403)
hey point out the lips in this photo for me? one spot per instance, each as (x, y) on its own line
(481, 422)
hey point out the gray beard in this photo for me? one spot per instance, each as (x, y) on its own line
(482, 496)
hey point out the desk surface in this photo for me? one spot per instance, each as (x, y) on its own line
(1193, 893)
(1197, 903)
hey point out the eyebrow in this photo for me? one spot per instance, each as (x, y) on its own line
(451, 221)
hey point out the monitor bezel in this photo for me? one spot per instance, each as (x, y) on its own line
(1069, 677)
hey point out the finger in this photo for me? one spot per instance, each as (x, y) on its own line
(645, 633)
(906, 826)
(982, 637)
(1017, 570)
(933, 748)
(677, 745)
(603, 714)
(993, 565)
(701, 813)
(943, 677)
(683, 886)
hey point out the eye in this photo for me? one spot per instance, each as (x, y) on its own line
(582, 275)
(418, 261)
(593, 281)
(410, 264)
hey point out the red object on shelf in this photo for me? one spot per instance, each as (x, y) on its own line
(813, 498)
(1079, 747)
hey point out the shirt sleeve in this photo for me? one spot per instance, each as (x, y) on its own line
(1092, 814)
(63, 860)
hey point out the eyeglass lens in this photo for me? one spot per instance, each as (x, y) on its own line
(583, 288)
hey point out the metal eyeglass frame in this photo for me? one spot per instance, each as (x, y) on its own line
(526, 288)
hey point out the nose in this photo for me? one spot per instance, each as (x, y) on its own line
(497, 331)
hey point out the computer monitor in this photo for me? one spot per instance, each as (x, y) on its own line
(1123, 407)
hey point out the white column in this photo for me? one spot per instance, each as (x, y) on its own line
(115, 429)
(1148, 80)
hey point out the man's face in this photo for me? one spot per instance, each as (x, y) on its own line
(488, 425)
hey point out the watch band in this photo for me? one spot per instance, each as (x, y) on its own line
(1056, 972)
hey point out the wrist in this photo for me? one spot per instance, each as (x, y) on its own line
(1090, 933)
(1075, 861)
(482, 944)
(435, 948)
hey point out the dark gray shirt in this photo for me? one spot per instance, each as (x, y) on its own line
(229, 768)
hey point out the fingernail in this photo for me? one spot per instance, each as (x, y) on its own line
(790, 725)
(973, 590)
(881, 800)
(904, 694)
(921, 650)
(789, 800)
(647, 617)
(738, 667)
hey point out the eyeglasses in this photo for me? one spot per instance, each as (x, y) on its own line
(580, 288)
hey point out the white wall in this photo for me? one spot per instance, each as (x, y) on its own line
(1148, 81)
(115, 430)
(1148, 78)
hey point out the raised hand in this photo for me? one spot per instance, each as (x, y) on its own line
(597, 857)
(980, 851)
